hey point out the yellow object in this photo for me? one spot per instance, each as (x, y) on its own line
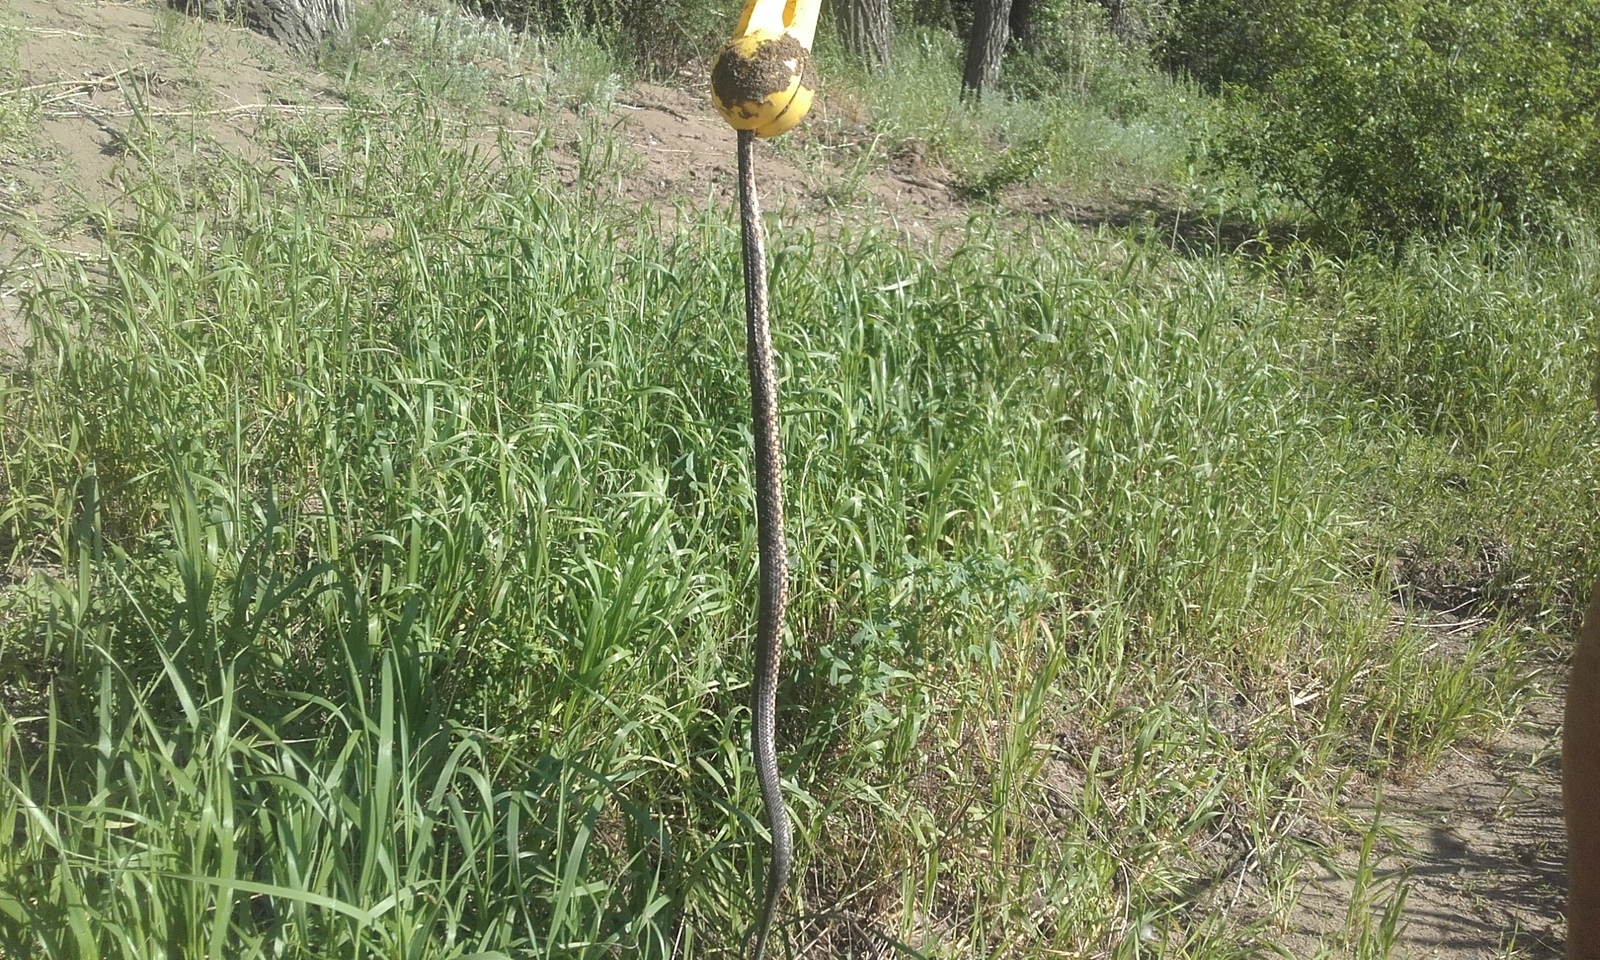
(763, 80)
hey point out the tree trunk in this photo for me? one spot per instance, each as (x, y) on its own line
(986, 44)
(866, 28)
(1125, 26)
(1023, 32)
(300, 25)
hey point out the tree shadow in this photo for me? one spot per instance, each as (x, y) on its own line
(1185, 231)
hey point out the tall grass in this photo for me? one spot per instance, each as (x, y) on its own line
(1464, 368)
(18, 111)
(1125, 133)
(391, 520)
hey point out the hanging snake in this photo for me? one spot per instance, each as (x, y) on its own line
(769, 539)
(763, 83)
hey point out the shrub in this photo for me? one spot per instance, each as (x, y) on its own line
(1218, 43)
(658, 37)
(1075, 50)
(1407, 116)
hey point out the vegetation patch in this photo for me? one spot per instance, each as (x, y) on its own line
(378, 536)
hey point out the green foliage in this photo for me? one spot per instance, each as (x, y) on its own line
(1466, 366)
(659, 37)
(19, 110)
(1075, 54)
(392, 563)
(1132, 141)
(944, 15)
(1016, 164)
(1226, 42)
(1407, 116)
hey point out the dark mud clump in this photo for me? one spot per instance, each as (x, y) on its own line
(742, 83)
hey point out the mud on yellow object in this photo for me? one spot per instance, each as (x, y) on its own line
(763, 80)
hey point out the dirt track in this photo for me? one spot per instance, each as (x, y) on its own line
(1477, 846)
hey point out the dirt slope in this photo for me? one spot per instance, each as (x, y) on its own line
(85, 67)
(91, 64)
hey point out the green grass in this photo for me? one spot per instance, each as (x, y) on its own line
(1129, 136)
(19, 107)
(1464, 368)
(473, 65)
(392, 565)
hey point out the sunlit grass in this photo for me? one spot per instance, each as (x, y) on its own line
(1075, 140)
(19, 106)
(392, 543)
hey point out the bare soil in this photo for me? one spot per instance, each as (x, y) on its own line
(1475, 846)
(1476, 843)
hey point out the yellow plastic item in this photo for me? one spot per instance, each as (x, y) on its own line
(763, 80)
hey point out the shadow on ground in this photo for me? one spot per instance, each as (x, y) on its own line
(1477, 844)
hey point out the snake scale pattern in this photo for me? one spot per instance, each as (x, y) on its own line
(769, 531)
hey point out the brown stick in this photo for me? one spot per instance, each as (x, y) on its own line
(1580, 790)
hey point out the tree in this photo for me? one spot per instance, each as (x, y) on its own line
(1024, 28)
(866, 27)
(300, 25)
(986, 45)
(1416, 116)
(1124, 25)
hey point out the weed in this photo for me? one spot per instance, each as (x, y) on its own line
(19, 109)
(392, 529)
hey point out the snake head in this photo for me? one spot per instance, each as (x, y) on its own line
(764, 80)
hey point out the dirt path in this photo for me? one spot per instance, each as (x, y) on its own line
(1476, 847)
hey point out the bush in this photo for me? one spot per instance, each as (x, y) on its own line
(1408, 116)
(1219, 43)
(1075, 51)
(658, 37)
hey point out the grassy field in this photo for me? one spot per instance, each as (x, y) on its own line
(389, 565)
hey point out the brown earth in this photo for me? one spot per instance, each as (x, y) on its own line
(92, 64)
(1476, 843)
(1477, 847)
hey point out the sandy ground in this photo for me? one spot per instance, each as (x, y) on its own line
(1476, 843)
(1475, 846)
(91, 65)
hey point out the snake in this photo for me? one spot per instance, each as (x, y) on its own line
(773, 559)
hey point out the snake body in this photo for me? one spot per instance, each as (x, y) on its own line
(769, 539)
